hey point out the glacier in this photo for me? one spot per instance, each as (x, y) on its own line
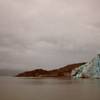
(89, 70)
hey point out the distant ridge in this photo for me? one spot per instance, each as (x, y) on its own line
(9, 72)
(61, 72)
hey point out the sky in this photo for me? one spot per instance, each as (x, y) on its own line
(48, 33)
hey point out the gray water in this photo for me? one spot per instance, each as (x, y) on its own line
(12, 88)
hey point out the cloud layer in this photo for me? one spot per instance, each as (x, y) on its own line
(48, 33)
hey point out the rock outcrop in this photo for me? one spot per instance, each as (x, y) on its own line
(61, 72)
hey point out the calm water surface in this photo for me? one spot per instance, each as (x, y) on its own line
(12, 88)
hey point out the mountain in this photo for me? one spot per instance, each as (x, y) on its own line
(9, 72)
(88, 70)
(61, 72)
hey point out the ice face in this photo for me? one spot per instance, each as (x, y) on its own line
(88, 70)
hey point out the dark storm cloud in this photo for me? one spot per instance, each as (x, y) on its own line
(48, 33)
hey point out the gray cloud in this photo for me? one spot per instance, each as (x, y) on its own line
(48, 33)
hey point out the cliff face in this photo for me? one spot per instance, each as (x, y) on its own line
(61, 72)
(88, 70)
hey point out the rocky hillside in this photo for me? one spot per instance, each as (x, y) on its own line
(61, 72)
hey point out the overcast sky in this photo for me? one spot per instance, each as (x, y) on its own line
(48, 33)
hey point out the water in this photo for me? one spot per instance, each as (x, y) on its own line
(12, 88)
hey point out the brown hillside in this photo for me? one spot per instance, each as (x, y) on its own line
(61, 72)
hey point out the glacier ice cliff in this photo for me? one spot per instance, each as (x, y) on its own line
(89, 70)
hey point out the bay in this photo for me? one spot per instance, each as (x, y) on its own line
(13, 88)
